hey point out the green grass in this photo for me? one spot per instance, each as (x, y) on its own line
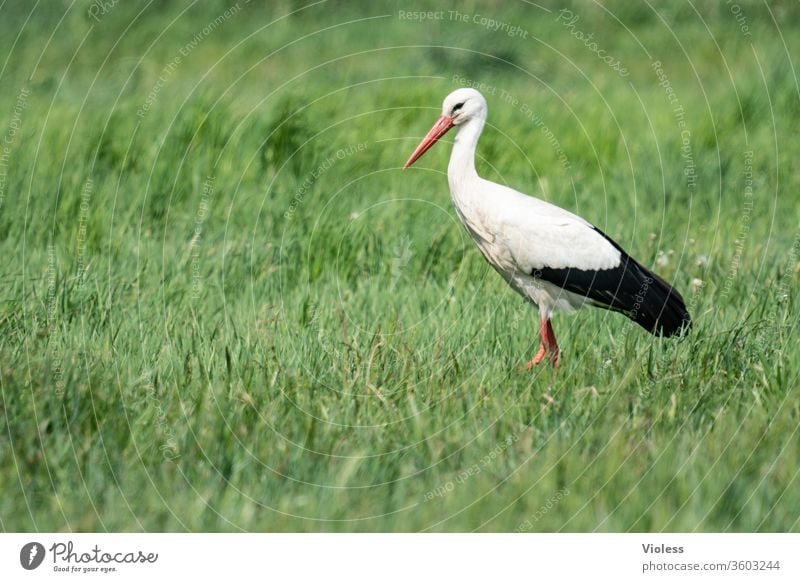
(198, 334)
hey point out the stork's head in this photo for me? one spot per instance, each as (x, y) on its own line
(459, 107)
(464, 104)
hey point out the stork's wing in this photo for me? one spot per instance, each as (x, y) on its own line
(561, 248)
(542, 236)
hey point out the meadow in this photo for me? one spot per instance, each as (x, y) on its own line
(224, 306)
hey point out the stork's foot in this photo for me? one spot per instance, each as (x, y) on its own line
(540, 356)
(548, 347)
(554, 358)
(537, 359)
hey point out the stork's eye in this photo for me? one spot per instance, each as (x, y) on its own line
(457, 107)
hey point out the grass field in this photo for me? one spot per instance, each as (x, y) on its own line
(224, 306)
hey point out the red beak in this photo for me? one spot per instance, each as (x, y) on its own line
(441, 127)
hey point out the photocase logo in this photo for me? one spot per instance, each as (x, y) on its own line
(31, 555)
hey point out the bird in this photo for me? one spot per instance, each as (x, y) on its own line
(555, 259)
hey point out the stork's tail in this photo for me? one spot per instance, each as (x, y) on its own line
(658, 307)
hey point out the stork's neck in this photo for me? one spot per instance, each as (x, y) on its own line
(461, 169)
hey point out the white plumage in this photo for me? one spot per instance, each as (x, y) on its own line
(552, 257)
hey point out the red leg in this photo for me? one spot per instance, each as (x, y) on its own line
(548, 346)
(552, 345)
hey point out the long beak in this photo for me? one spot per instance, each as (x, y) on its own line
(441, 127)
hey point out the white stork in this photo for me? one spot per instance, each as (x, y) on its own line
(553, 258)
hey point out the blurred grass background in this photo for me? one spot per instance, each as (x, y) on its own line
(223, 306)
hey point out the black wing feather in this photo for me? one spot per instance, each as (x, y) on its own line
(629, 288)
